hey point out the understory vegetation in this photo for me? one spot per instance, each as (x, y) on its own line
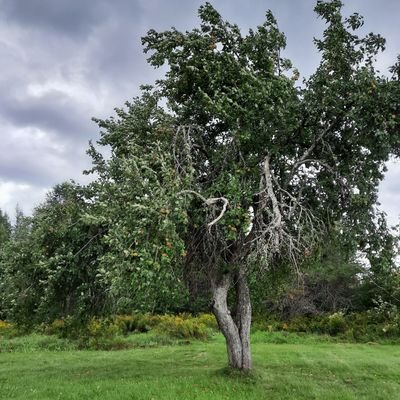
(379, 325)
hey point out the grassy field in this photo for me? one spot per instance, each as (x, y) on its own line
(301, 369)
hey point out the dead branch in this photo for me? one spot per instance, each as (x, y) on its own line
(224, 207)
(277, 221)
(209, 202)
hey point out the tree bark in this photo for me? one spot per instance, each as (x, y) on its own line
(236, 330)
(243, 317)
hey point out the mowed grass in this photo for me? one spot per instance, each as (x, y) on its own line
(303, 370)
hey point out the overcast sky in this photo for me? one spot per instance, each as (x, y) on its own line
(65, 61)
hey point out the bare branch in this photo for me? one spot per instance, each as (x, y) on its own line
(224, 207)
(277, 222)
(209, 202)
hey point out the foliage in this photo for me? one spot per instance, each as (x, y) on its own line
(17, 265)
(244, 107)
(378, 325)
(5, 236)
(329, 281)
(182, 327)
(48, 269)
(339, 277)
(6, 329)
(381, 281)
(143, 264)
(117, 332)
(5, 228)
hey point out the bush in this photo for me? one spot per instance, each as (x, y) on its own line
(387, 316)
(57, 327)
(183, 327)
(179, 326)
(382, 322)
(104, 333)
(208, 320)
(336, 324)
(137, 322)
(126, 323)
(268, 323)
(100, 328)
(7, 329)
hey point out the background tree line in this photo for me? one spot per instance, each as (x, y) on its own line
(51, 267)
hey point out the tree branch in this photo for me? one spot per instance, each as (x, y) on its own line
(209, 202)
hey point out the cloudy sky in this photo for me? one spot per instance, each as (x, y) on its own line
(65, 61)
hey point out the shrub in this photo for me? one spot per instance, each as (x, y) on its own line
(126, 323)
(389, 314)
(6, 329)
(67, 327)
(57, 327)
(146, 322)
(382, 322)
(183, 327)
(102, 328)
(269, 323)
(4, 325)
(336, 324)
(208, 320)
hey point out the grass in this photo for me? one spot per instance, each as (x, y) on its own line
(286, 367)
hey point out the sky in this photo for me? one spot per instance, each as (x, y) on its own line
(63, 62)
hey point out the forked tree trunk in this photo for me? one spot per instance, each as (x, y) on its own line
(235, 329)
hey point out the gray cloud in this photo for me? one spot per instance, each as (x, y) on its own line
(53, 112)
(33, 156)
(72, 18)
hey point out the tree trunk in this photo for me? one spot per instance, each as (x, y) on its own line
(236, 330)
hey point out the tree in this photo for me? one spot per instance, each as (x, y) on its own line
(242, 168)
(69, 249)
(18, 270)
(22, 226)
(5, 235)
(381, 279)
(49, 268)
(5, 227)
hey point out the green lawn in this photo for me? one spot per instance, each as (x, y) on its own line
(309, 370)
